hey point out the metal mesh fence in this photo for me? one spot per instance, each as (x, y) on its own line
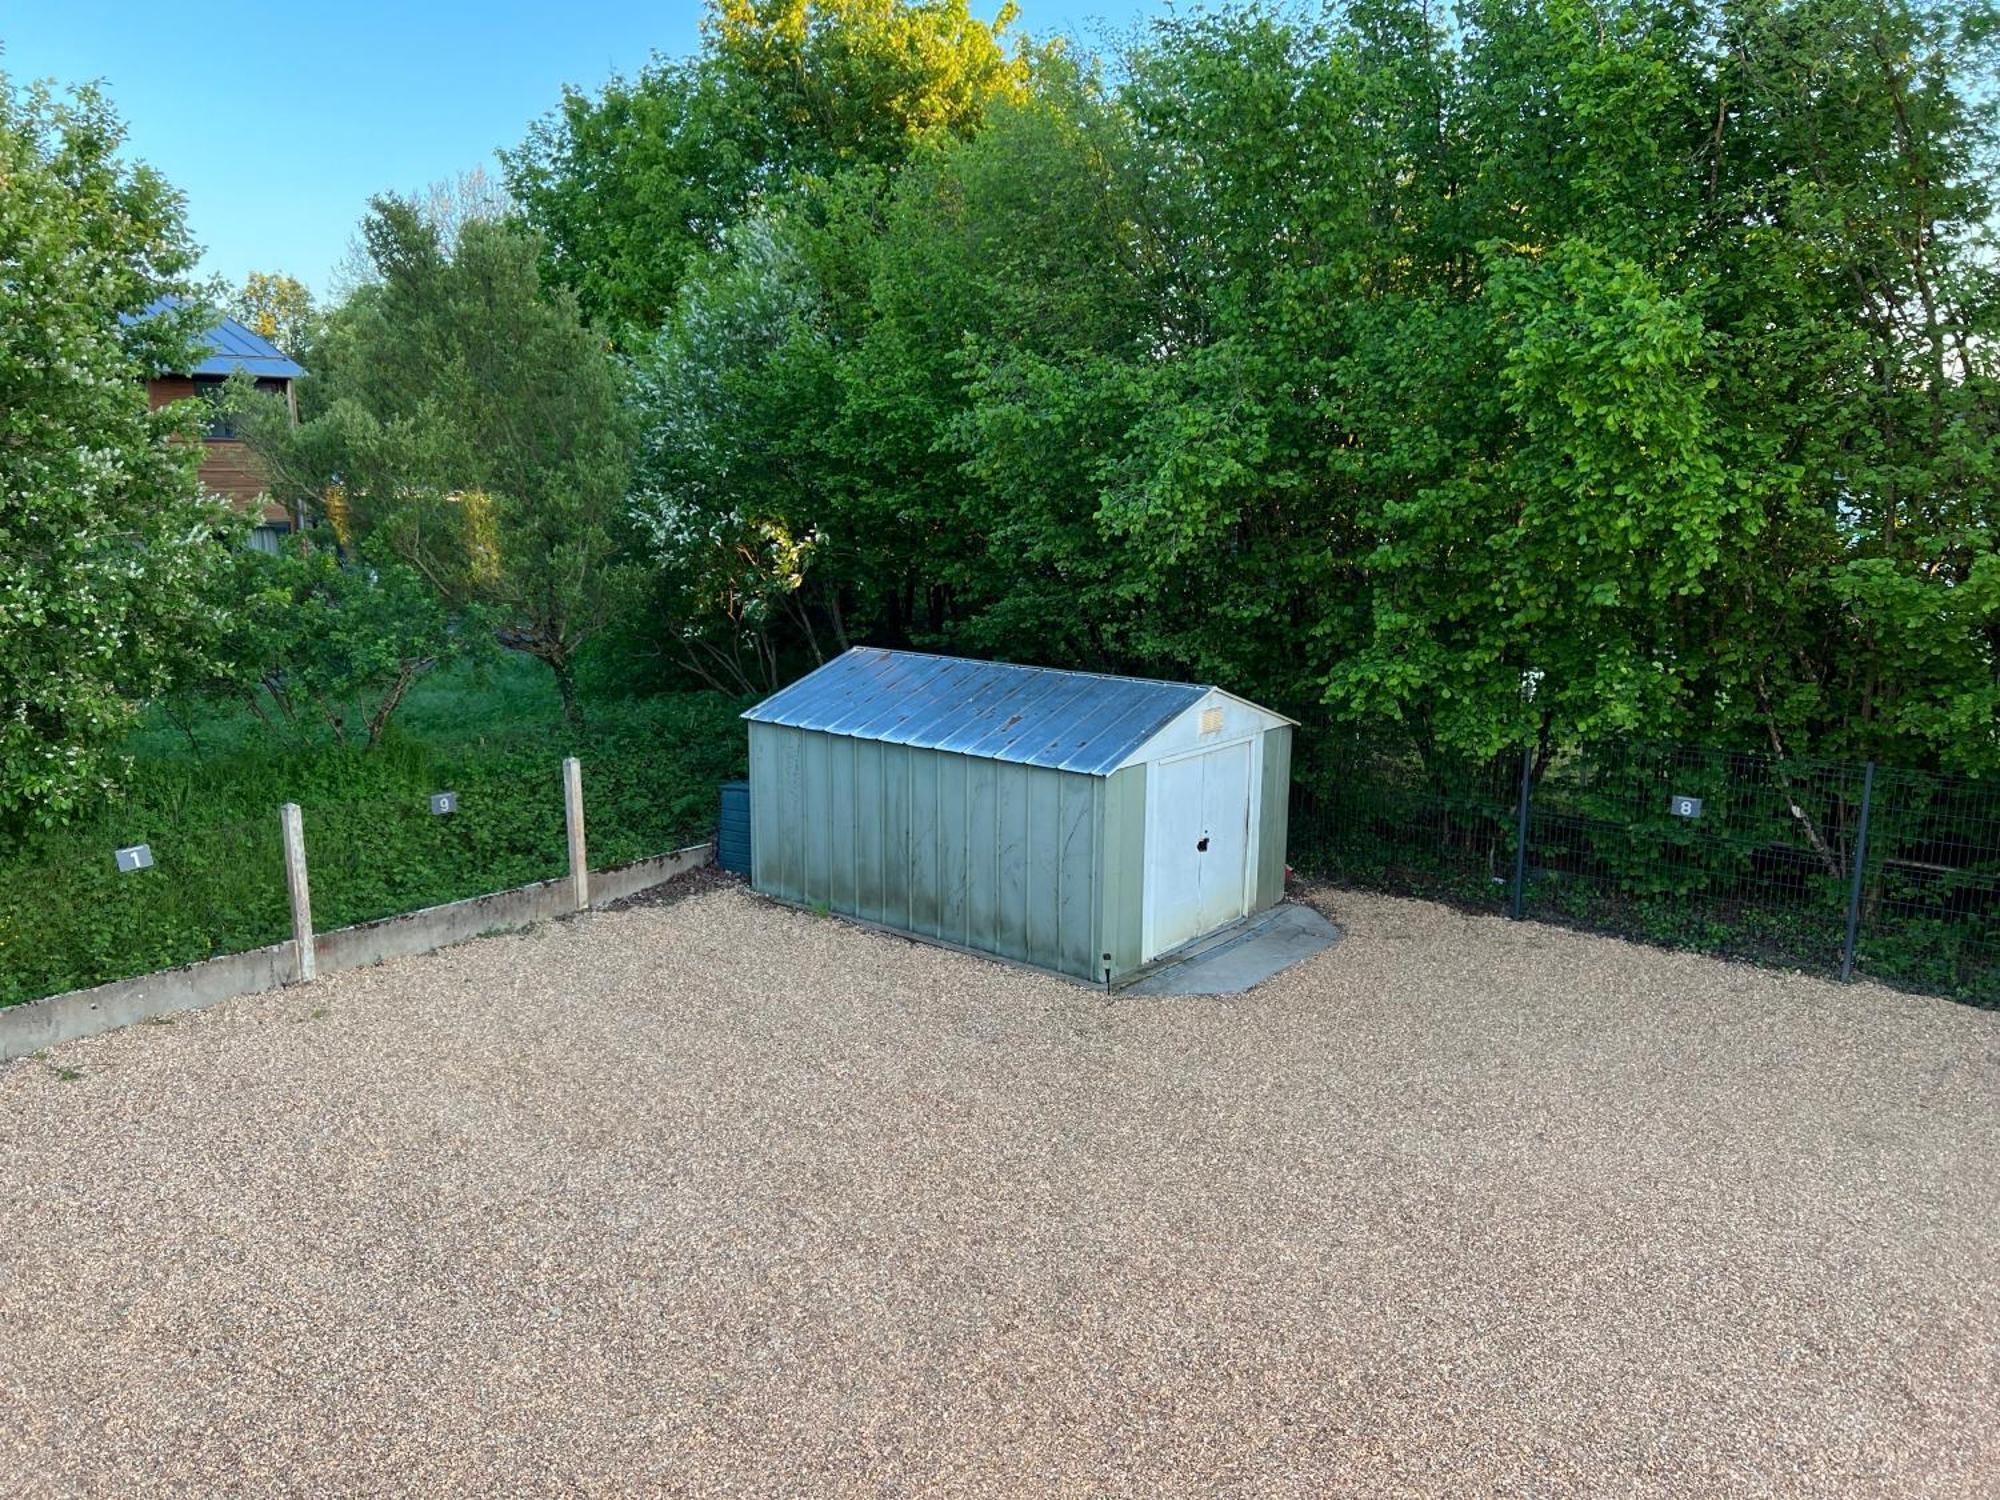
(1735, 853)
(1929, 912)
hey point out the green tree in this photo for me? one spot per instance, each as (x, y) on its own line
(104, 536)
(998, 291)
(1685, 401)
(471, 426)
(320, 646)
(832, 83)
(1378, 364)
(806, 410)
(730, 487)
(631, 187)
(277, 307)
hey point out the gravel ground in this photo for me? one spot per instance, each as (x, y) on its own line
(720, 1198)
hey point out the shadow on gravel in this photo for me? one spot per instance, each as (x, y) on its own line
(696, 882)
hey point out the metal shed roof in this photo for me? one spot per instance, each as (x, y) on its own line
(1037, 716)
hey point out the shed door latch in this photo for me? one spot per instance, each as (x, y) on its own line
(1202, 846)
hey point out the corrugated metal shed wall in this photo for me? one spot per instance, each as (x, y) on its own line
(1122, 927)
(993, 855)
(1273, 817)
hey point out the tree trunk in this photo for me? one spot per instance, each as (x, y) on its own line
(385, 710)
(565, 672)
(839, 617)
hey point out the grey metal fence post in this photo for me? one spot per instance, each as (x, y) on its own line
(291, 825)
(579, 862)
(1860, 872)
(1521, 834)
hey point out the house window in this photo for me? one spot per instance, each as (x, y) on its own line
(269, 537)
(208, 388)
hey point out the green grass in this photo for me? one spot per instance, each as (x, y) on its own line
(209, 810)
(498, 700)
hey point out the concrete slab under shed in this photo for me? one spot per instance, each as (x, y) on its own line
(1239, 956)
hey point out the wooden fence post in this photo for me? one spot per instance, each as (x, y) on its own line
(292, 824)
(579, 862)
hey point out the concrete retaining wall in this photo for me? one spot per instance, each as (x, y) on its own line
(63, 1018)
(621, 881)
(28, 1028)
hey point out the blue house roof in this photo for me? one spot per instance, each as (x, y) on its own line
(237, 348)
(234, 347)
(1036, 716)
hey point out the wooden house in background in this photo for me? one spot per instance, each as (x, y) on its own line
(229, 467)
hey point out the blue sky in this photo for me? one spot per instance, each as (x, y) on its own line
(279, 120)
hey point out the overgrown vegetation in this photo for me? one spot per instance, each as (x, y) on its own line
(68, 918)
(1765, 871)
(104, 536)
(1372, 364)
(316, 645)
(471, 429)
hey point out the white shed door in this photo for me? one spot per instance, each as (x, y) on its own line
(1198, 845)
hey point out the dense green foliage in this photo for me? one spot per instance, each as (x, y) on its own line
(471, 427)
(103, 537)
(1376, 366)
(69, 919)
(1749, 878)
(633, 186)
(315, 644)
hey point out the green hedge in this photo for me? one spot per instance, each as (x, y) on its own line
(68, 918)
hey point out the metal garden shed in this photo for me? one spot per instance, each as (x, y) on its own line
(1078, 822)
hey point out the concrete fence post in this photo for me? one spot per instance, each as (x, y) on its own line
(291, 822)
(579, 861)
